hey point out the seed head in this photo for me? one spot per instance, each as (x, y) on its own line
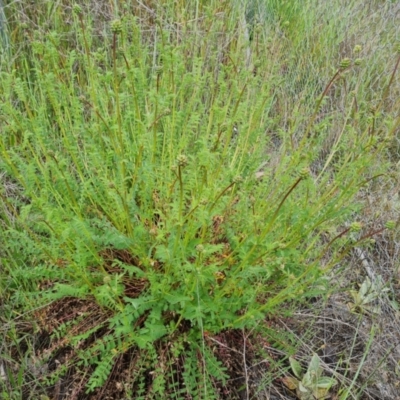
(237, 179)
(77, 9)
(355, 226)
(219, 276)
(258, 28)
(357, 49)
(390, 225)
(200, 248)
(116, 27)
(345, 63)
(372, 109)
(304, 173)
(182, 160)
(358, 61)
(158, 69)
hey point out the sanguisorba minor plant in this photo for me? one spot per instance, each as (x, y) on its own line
(139, 162)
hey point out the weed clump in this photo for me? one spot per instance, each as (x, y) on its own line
(144, 232)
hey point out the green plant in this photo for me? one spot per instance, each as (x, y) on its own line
(137, 156)
(364, 299)
(311, 384)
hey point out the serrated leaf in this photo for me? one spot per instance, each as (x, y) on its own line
(136, 303)
(142, 340)
(213, 248)
(157, 331)
(118, 241)
(176, 298)
(162, 253)
(132, 270)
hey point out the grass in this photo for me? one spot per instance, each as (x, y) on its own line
(178, 181)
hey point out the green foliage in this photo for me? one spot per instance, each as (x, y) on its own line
(148, 184)
(364, 300)
(310, 385)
